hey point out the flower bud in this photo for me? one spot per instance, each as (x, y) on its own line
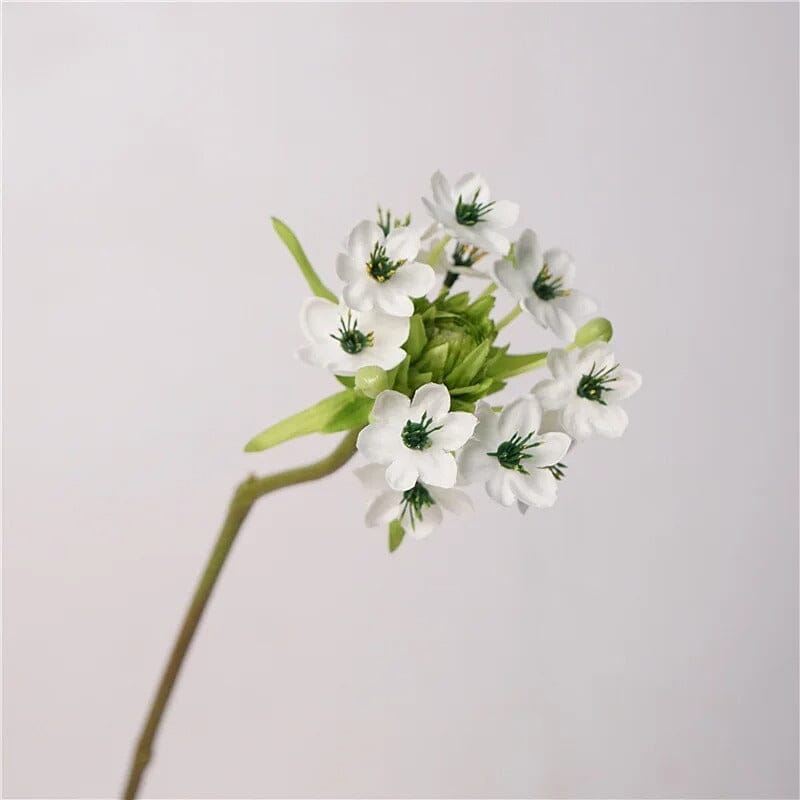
(371, 381)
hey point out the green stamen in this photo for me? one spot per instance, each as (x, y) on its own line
(592, 385)
(415, 500)
(417, 435)
(546, 287)
(557, 470)
(513, 452)
(350, 338)
(380, 266)
(466, 255)
(472, 213)
(386, 223)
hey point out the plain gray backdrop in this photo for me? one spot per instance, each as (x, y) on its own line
(640, 639)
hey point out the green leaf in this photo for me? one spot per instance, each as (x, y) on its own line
(416, 337)
(465, 372)
(434, 360)
(477, 389)
(309, 273)
(507, 366)
(339, 412)
(346, 380)
(595, 330)
(396, 535)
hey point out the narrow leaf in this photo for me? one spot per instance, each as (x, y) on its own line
(416, 337)
(507, 366)
(465, 372)
(339, 412)
(309, 273)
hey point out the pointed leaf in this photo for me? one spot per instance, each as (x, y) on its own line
(309, 273)
(416, 337)
(466, 371)
(342, 411)
(507, 366)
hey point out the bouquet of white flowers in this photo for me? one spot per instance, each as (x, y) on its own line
(416, 366)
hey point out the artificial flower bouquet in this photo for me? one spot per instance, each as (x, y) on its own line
(417, 366)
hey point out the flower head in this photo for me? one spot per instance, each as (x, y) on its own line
(542, 284)
(415, 438)
(467, 212)
(586, 389)
(381, 270)
(511, 456)
(453, 257)
(418, 509)
(343, 340)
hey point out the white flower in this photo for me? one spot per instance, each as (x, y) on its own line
(586, 388)
(415, 438)
(419, 509)
(542, 284)
(509, 454)
(343, 340)
(454, 257)
(469, 215)
(381, 271)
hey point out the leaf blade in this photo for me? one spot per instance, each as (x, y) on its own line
(316, 285)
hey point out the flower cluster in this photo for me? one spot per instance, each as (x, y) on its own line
(417, 364)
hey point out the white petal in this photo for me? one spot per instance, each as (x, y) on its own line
(414, 279)
(550, 449)
(473, 462)
(560, 322)
(380, 443)
(560, 265)
(453, 500)
(610, 421)
(577, 304)
(384, 508)
(388, 330)
(538, 309)
(498, 487)
(503, 214)
(553, 394)
(390, 406)
(393, 302)
(486, 238)
(347, 269)
(512, 279)
(444, 216)
(577, 418)
(456, 429)
(310, 354)
(385, 357)
(528, 255)
(597, 355)
(538, 488)
(402, 473)
(359, 295)
(627, 383)
(402, 244)
(319, 318)
(521, 417)
(432, 398)
(436, 467)
(560, 362)
(372, 477)
(362, 239)
(442, 192)
(471, 183)
(420, 528)
(487, 432)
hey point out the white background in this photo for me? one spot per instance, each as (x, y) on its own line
(638, 640)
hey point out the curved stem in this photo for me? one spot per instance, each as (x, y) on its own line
(243, 500)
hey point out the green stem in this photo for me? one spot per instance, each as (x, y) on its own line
(487, 291)
(243, 500)
(510, 317)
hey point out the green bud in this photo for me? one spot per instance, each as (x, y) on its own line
(595, 330)
(371, 381)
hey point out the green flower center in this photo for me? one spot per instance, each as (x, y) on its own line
(466, 255)
(350, 338)
(417, 435)
(592, 385)
(514, 451)
(415, 500)
(473, 212)
(546, 287)
(380, 266)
